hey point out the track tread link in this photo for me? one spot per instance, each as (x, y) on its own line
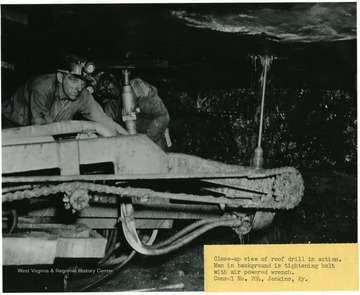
(287, 191)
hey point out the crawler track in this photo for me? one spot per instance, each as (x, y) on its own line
(280, 188)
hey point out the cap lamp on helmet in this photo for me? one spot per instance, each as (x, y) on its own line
(78, 67)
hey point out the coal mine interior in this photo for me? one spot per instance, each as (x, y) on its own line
(207, 62)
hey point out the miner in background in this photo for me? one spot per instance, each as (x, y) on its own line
(152, 117)
(56, 97)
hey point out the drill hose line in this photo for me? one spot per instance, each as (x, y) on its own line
(132, 238)
(183, 232)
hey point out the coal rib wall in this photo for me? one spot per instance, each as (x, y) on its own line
(303, 128)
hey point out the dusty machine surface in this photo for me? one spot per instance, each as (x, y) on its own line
(74, 190)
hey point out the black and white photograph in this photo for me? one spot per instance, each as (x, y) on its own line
(134, 134)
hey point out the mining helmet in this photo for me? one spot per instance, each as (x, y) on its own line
(78, 67)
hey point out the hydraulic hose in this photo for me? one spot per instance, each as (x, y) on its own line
(114, 261)
(107, 276)
(110, 247)
(128, 225)
(183, 232)
(123, 260)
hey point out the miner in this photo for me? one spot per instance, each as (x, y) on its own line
(152, 116)
(56, 97)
